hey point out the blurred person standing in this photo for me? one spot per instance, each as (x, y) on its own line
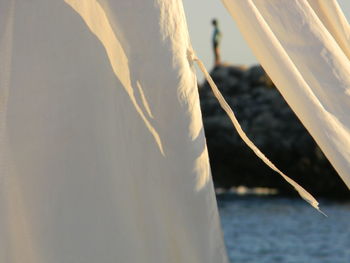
(216, 41)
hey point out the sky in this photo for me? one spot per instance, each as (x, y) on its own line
(234, 50)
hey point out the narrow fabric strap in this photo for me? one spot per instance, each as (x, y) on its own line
(224, 105)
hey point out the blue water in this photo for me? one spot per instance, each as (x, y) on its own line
(282, 230)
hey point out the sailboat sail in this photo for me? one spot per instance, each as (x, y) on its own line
(303, 46)
(103, 155)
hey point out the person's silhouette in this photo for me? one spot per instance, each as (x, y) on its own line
(216, 41)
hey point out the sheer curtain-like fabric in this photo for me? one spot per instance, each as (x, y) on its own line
(304, 47)
(102, 150)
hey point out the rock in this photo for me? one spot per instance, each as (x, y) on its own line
(272, 126)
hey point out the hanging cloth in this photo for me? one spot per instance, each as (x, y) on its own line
(103, 156)
(303, 46)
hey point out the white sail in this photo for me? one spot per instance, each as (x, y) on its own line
(304, 47)
(103, 156)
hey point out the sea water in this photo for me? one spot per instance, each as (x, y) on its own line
(284, 230)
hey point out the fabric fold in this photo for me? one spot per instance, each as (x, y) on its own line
(105, 158)
(300, 48)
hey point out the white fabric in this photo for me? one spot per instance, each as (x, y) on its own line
(224, 105)
(334, 20)
(303, 46)
(102, 151)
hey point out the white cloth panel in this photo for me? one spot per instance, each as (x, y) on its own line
(307, 60)
(103, 156)
(332, 17)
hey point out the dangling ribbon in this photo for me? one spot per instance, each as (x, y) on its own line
(224, 105)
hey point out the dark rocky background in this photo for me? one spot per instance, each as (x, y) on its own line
(272, 126)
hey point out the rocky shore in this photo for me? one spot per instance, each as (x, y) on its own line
(272, 126)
